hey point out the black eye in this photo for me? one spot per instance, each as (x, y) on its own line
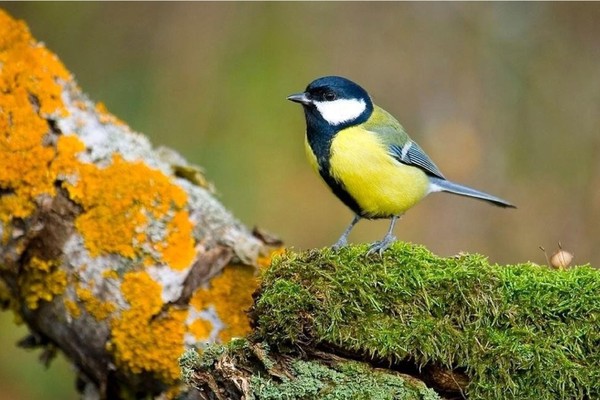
(329, 96)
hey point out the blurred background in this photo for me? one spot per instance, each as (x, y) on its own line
(503, 96)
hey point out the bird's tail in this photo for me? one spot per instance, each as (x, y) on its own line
(443, 185)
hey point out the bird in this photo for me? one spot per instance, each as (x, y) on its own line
(366, 157)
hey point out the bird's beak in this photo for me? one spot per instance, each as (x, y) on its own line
(301, 98)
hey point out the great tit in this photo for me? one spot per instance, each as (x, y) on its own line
(366, 158)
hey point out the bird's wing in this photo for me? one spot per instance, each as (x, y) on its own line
(412, 154)
(399, 144)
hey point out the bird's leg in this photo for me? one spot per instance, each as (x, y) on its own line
(387, 240)
(343, 240)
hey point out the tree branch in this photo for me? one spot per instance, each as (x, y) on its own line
(111, 250)
(463, 327)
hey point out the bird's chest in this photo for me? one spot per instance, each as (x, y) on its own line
(381, 185)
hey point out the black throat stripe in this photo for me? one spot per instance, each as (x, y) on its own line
(320, 145)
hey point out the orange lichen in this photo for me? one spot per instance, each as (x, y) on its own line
(265, 261)
(173, 392)
(72, 308)
(178, 249)
(115, 220)
(66, 163)
(201, 329)
(110, 274)
(126, 208)
(231, 295)
(41, 280)
(118, 201)
(96, 307)
(30, 93)
(105, 116)
(144, 338)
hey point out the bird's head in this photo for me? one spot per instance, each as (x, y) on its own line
(335, 101)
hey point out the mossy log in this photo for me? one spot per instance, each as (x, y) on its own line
(466, 328)
(112, 251)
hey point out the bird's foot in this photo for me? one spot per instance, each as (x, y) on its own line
(381, 245)
(342, 242)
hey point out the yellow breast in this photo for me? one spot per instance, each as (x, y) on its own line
(381, 185)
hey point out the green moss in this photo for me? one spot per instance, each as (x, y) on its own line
(288, 297)
(519, 331)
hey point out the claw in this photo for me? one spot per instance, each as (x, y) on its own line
(387, 240)
(381, 245)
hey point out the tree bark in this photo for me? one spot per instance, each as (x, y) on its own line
(113, 251)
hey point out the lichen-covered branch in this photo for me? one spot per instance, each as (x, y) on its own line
(111, 250)
(466, 328)
(244, 369)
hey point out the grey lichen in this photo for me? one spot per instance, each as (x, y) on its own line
(345, 380)
(189, 362)
(255, 374)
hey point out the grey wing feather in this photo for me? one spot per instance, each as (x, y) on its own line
(400, 146)
(412, 154)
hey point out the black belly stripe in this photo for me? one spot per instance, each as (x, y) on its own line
(340, 191)
(320, 145)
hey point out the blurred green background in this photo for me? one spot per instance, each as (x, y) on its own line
(503, 96)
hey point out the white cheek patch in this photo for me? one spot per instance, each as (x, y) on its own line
(339, 111)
